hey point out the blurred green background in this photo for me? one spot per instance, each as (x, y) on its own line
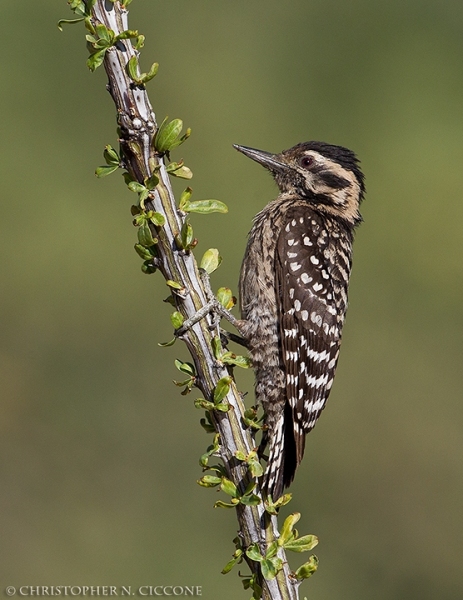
(99, 452)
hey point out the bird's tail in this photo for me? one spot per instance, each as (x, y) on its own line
(282, 461)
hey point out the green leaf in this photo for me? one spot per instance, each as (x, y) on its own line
(222, 407)
(244, 362)
(62, 22)
(209, 481)
(176, 319)
(126, 35)
(211, 261)
(182, 173)
(206, 424)
(273, 507)
(307, 569)
(167, 134)
(222, 388)
(151, 182)
(157, 219)
(212, 449)
(237, 557)
(287, 532)
(220, 504)
(174, 285)
(187, 235)
(303, 544)
(216, 347)
(226, 298)
(241, 456)
(105, 170)
(229, 487)
(254, 554)
(167, 344)
(145, 237)
(104, 33)
(204, 207)
(132, 68)
(272, 550)
(270, 567)
(250, 500)
(143, 252)
(145, 77)
(76, 5)
(185, 196)
(136, 187)
(96, 59)
(185, 367)
(140, 42)
(148, 268)
(201, 403)
(111, 156)
(256, 468)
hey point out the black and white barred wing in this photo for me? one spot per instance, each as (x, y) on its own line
(311, 316)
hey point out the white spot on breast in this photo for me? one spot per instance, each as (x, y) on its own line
(314, 260)
(301, 220)
(291, 241)
(291, 293)
(304, 315)
(295, 266)
(287, 228)
(293, 222)
(305, 278)
(324, 274)
(316, 319)
(307, 241)
(317, 287)
(291, 254)
(297, 304)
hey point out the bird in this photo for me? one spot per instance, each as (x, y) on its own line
(293, 293)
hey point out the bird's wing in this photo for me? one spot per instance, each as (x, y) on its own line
(310, 317)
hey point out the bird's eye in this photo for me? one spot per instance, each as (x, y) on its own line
(307, 161)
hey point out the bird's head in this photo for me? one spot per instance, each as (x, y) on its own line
(325, 175)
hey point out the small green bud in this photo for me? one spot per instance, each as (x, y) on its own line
(307, 569)
(176, 319)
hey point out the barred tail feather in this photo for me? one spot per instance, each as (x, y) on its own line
(282, 461)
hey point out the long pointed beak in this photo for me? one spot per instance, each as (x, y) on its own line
(263, 158)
